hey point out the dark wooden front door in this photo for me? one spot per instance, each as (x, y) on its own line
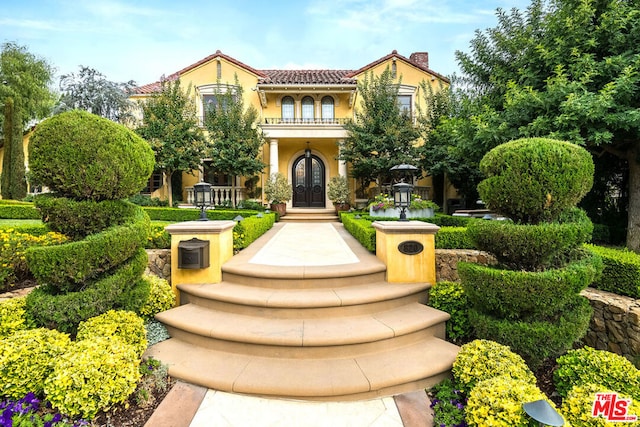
(308, 182)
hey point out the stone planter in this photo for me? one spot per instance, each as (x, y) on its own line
(395, 213)
(280, 208)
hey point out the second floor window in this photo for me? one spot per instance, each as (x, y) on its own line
(404, 102)
(287, 108)
(307, 108)
(327, 108)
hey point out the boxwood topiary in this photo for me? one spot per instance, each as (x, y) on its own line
(536, 340)
(534, 180)
(86, 157)
(588, 365)
(527, 295)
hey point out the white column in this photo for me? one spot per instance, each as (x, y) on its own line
(342, 165)
(273, 156)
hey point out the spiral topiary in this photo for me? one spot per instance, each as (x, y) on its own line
(86, 157)
(534, 180)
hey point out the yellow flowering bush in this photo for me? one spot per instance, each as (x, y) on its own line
(13, 244)
(27, 358)
(483, 359)
(577, 407)
(93, 375)
(497, 402)
(161, 297)
(12, 316)
(125, 325)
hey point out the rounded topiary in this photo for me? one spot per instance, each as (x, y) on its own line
(483, 359)
(86, 157)
(123, 324)
(577, 407)
(534, 180)
(498, 402)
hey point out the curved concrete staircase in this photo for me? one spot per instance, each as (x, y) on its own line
(337, 332)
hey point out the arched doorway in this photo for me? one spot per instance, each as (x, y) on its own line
(308, 182)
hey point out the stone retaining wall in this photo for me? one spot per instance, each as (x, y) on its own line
(159, 263)
(447, 262)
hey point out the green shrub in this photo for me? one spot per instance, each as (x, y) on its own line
(93, 375)
(146, 200)
(72, 266)
(442, 220)
(125, 325)
(534, 180)
(587, 365)
(454, 238)
(34, 229)
(161, 297)
(621, 273)
(497, 402)
(249, 229)
(508, 294)
(531, 247)
(13, 265)
(12, 316)
(180, 215)
(361, 229)
(49, 308)
(80, 219)
(450, 297)
(536, 340)
(19, 211)
(577, 407)
(27, 358)
(86, 157)
(483, 359)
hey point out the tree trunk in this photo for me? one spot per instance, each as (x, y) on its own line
(167, 181)
(633, 224)
(5, 187)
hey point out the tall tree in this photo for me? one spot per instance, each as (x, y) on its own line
(170, 124)
(381, 136)
(25, 93)
(235, 138)
(90, 90)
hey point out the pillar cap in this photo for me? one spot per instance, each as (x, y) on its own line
(405, 227)
(200, 227)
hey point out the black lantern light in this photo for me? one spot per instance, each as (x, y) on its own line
(202, 192)
(402, 198)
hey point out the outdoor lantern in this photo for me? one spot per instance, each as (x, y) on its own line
(202, 192)
(403, 172)
(402, 198)
(542, 412)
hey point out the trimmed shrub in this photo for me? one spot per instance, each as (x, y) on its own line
(126, 325)
(531, 247)
(508, 294)
(483, 359)
(34, 229)
(12, 316)
(361, 229)
(161, 297)
(72, 266)
(80, 219)
(450, 297)
(93, 375)
(46, 307)
(19, 211)
(146, 200)
(454, 238)
(86, 157)
(589, 366)
(158, 237)
(621, 273)
(577, 407)
(27, 358)
(536, 340)
(497, 402)
(442, 220)
(180, 215)
(249, 229)
(534, 180)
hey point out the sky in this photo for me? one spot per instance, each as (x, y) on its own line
(141, 40)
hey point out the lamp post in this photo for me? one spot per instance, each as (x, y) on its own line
(402, 198)
(202, 192)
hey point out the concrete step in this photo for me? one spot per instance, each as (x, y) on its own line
(385, 372)
(310, 215)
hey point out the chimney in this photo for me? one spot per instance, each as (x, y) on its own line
(420, 58)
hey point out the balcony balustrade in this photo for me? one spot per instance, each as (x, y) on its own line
(220, 194)
(300, 121)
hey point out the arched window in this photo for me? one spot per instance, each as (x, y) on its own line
(327, 109)
(287, 109)
(307, 108)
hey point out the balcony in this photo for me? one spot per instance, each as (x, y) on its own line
(306, 122)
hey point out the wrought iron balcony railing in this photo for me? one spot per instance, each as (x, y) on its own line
(300, 121)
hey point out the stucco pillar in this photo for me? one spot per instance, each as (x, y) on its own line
(408, 250)
(342, 165)
(219, 234)
(273, 156)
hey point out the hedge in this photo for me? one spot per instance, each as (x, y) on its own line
(249, 229)
(621, 274)
(18, 211)
(70, 266)
(124, 289)
(361, 229)
(454, 238)
(180, 215)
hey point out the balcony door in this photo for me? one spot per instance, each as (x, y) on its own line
(308, 182)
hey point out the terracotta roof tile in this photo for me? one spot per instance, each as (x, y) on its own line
(395, 54)
(284, 77)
